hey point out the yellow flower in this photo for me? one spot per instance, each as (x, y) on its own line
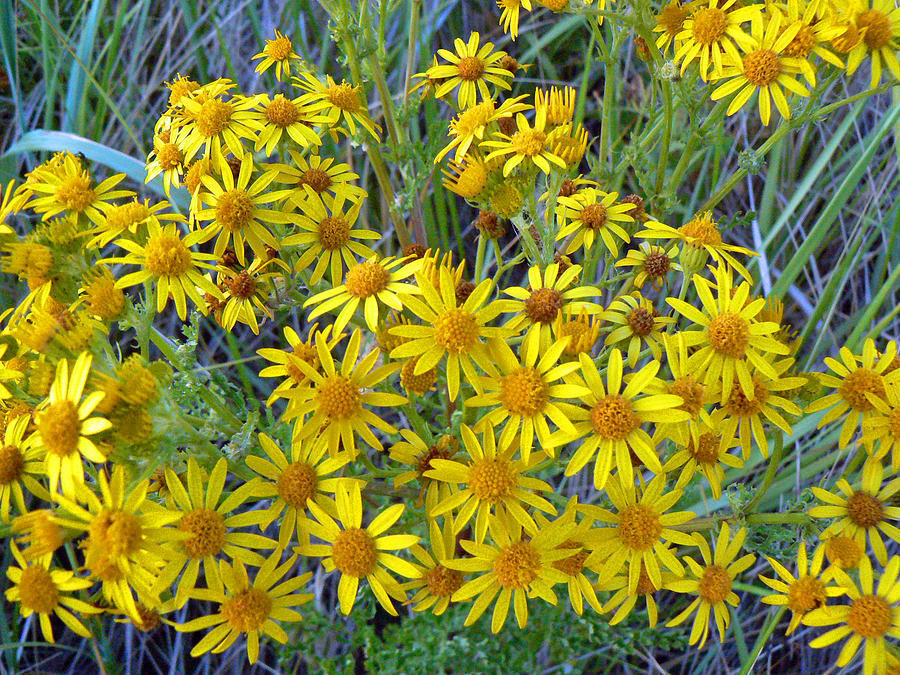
(128, 217)
(624, 600)
(285, 362)
(864, 513)
(320, 173)
(872, 615)
(539, 305)
(710, 33)
(436, 582)
(361, 553)
(453, 330)
(860, 381)
(705, 450)
(590, 213)
(638, 322)
(236, 209)
(641, 529)
(803, 593)
(517, 566)
(528, 393)
(168, 260)
(278, 52)
(336, 102)
(126, 544)
(211, 121)
(328, 233)
(471, 69)
(245, 292)
(670, 22)
(209, 522)
(248, 608)
(371, 283)
(470, 125)
(881, 430)
(414, 451)
(651, 263)
(20, 463)
(12, 199)
(712, 582)
(292, 483)
(878, 24)
(39, 589)
(64, 424)
(531, 144)
(765, 68)
(814, 30)
(610, 423)
(509, 17)
(731, 339)
(335, 399)
(280, 115)
(494, 483)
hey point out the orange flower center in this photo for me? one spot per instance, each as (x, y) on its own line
(208, 528)
(857, 384)
(739, 405)
(60, 428)
(672, 17)
(37, 591)
(282, 112)
(12, 463)
(366, 279)
(247, 611)
(492, 480)
(524, 392)
(709, 25)
(691, 391)
(843, 551)
(802, 44)
(805, 594)
(639, 527)
(234, 209)
(242, 286)
(878, 28)
(870, 617)
(574, 564)
(762, 67)
(715, 584)
(864, 510)
(297, 484)
(214, 116)
(456, 330)
(338, 398)
(613, 419)
(470, 68)
(344, 97)
(279, 48)
(640, 320)
(317, 179)
(354, 552)
(517, 565)
(76, 193)
(334, 232)
(594, 216)
(443, 582)
(528, 142)
(166, 255)
(729, 334)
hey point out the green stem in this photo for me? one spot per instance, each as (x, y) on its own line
(479, 257)
(771, 470)
(667, 138)
(761, 641)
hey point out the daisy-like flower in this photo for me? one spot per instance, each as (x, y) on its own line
(244, 292)
(519, 565)
(328, 233)
(132, 217)
(20, 464)
(416, 452)
(468, 179)
(702, 239)
(709, 34)
(284, 117)
(745, 413)
(64, 425)
(623, 600)
(685, 382)
(872, 615)
(452, 329)
(361, 553)
(236, 209)
(336, 102)
(39, 589)
(531, 144)
(641, 531)
(670, 23)
(66, 186)
(471, 69)
(291, 484)
(494, 483)
(537, 307)
(712, 582)
(336, 401)
(436, 583)
(325, 176)
(706, 450)
(470, 125)
(610, 424)
(802, 593)
(814, 31)
(371, 283)
(509, 16)
(731, 338)
(591, 213)
(168, 260)
(39, 532)
(278, 52)
(528, 393)
(858, 381)
(639, 323)
(765, 68)
(209, 521)
(652, 263)
(127, 542)
(247, 608)
(877, 23)
(863, 513)
(211, 121)
(881, 429)
(285, 362)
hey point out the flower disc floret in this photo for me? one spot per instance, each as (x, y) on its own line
(166, 255)
(60, 428)
(114, 534)
(344, 96)
(76, 193)
(613, 419)
(517, 565)
(705, 449)
(715, 584)
(524, 392)
(214, 116)
(297, 483)
(864, 509)
(470, 68)
(443, 581)
(594, 216)
(528, 142)
(806, 594)
(247, 611)
(492, 480)
(574, 564)
(338, 398)
(762, 67)
(639, 527)
(729, 334)
(208, 528)
(640, 320)
(37, 591)
(543, 305)
(857, 384)
(282, 112)
(878, 28)
(870, 616)
(12, 463)
(234, 210)
(318, 179)
(334, 232)
(692, 391)
(456, 330)
(354, 552)
(366, 279)
(709, 25)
